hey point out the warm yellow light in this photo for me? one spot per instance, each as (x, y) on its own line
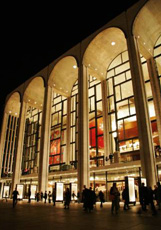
(74, 66)
(113, 43)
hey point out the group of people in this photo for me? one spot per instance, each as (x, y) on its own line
(149, 196)
(39, 196)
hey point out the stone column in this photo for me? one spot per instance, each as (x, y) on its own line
(45, 141)
(68, 130)
(147, 156)
(156, 93)
(19, 146)
(2, 138)
(105, 121)
(83, 129)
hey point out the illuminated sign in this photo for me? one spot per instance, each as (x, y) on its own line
(33, 189)
(74, 191)
(143, 180)
(131, 187)
(59, 191)
(20, 191)
(6, 189)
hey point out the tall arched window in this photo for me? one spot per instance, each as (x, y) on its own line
(150, 101)
(157, 57)
(57, 154)
(31, 150)
(121, 109)
(9, 148)
(96, 141)
(74, 126)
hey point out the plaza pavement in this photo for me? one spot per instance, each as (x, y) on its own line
(42, 216)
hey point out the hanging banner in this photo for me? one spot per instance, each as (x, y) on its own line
(143, 180)
(74, 190)
(6, 190)
(131, 188)
(59, 191)
(33, 189)
(20, 191)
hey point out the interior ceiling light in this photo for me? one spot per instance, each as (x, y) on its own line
(74, 66)
(113, 43)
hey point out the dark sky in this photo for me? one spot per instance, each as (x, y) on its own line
(33, 36)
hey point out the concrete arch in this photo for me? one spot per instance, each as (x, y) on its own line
(64, 75)
(103, 49)
(13, 104)
(147, 27)
(34, 93)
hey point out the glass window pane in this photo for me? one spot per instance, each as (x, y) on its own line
(148, 90)
(117, 93)
(100, 144)
(92, 104)
(132, 106)
(128, 75)
(125, 56)
(120, 78)
(99, 108)
(98, 92)
(151, 110)
(116, 61)
(100, 126)
(92, 123)
(158, 63)
(120, 130)
(126, 89)
(122, 68)
(91, 92)
(110, 73)
(111, 104)
(65, 107)
(109, 87)
(92, 135)
(145, 71)
(131, 129)
(122, 109)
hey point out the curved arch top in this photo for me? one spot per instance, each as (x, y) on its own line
(148, 31)
(34, 93)
(13, 104)
(103, 49)
(64, 75)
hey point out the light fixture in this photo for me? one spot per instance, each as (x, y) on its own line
(74, 66)
(113, 43)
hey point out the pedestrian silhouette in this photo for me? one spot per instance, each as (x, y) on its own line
(14, 196)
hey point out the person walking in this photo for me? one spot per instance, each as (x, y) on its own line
(143, 197)
(45, 196)
(115, 197)
(49, 197)
(151, 200)
(14, 196)
(158, 195)
(29, 195)
(54, 196)
(67, 199)
(101, 197)
(125, 197)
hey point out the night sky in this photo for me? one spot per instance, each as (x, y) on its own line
(33, 36)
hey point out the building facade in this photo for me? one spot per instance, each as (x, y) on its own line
(92, 116)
